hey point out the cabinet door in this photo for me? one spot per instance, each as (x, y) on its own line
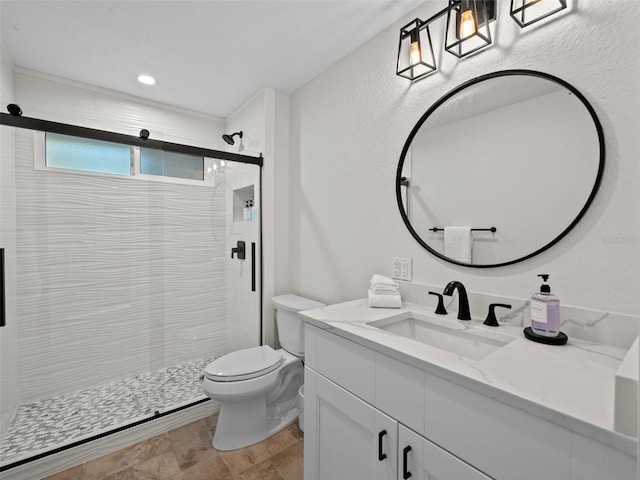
(419, 459)
(345, 438)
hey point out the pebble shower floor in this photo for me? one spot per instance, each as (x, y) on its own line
(57, 421)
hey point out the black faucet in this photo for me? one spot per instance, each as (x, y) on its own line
(440, 310)
(491, 319)
(463, 300)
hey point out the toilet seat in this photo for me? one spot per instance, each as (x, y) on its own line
(244, 364)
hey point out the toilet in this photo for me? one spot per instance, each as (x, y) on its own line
(258, 386)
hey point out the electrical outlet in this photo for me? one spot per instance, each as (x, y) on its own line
(402, 268)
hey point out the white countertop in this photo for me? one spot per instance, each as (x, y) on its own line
(570, 385)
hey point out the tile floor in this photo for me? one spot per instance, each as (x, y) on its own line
(186, 454)
(61, 420)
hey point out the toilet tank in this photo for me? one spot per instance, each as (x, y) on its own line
(290, 325)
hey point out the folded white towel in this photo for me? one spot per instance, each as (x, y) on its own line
(382, 280)
(378, 291)
(384, 289)
(384, 301)
(458, 243)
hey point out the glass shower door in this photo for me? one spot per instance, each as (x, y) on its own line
(212, 278)
(120, 286)
(8, 327)
(78, 340)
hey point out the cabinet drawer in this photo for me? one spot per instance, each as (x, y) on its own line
(496, 438)
(400, 391)
(346, 363)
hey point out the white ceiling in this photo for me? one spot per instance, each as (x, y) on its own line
(209, 55)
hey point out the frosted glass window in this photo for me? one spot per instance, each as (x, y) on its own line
(75, 153)
(169, 164)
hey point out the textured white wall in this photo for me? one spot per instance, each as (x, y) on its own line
(350, 123)
(264, 119)
(243, 306)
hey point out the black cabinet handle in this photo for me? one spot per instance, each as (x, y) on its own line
(381, 456)
(3, 311)
(405, 453)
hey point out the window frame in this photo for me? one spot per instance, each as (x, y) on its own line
(40, 163)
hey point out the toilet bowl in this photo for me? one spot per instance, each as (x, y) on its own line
(258, 386)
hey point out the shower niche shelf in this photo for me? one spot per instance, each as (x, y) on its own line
(244, 209)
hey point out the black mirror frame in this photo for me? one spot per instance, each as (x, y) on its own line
(439, 102)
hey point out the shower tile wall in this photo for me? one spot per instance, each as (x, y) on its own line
(116, 277)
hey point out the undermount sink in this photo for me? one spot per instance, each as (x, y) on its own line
(448, 334)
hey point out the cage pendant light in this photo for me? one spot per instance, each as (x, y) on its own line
(468, 26)
(526, 12)
(415, 53)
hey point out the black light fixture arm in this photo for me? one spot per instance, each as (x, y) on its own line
(454, 3)
(429, 20)
(439, 14)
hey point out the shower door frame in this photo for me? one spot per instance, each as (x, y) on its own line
(142, 140)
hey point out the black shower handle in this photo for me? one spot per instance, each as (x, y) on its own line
(239, 250)
(253, 266)
(3, 311)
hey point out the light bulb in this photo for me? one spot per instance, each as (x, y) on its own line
(415, 55)
(467, 24)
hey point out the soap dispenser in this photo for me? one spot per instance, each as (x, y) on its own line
(545, 316)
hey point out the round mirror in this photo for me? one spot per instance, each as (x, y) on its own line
(500, 168)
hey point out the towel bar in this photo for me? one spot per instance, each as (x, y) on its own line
(492, 229)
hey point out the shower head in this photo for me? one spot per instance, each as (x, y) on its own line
(229, 138)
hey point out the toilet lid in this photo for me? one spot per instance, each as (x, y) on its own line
(244, 364)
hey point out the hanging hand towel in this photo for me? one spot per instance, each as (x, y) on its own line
(458, 243)
(384, 301)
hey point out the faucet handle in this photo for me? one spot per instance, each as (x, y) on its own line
(440, 310)
(491, 316)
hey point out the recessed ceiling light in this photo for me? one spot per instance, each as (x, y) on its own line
(146, 79)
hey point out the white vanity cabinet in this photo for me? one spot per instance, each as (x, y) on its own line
(371, 416)
(346, 438)
(345, 435)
